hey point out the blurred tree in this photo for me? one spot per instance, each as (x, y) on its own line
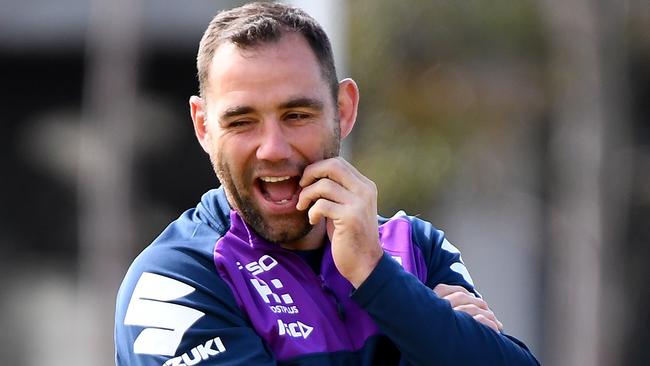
(432, 77)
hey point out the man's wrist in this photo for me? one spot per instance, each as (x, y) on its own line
(362, 271)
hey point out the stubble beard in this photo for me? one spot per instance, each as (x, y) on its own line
(280, 229)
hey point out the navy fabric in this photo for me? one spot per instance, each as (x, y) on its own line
(186, 300)
(313, 258)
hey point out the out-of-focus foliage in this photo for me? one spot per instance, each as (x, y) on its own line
(432, 77)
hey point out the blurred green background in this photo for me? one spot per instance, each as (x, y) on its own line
(434, 77)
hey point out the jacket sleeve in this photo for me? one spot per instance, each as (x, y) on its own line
(424, 327)
(180, 312)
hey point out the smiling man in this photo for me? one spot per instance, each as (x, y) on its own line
(271, 115)
(288, 262)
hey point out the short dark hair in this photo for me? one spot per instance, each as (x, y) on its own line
(263, 22)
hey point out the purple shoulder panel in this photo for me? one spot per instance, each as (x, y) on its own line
(397, 241)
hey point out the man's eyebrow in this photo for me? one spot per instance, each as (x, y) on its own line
(293, 103)
(303, 103)
(236, 111)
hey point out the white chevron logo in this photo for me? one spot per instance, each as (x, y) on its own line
(165, 322)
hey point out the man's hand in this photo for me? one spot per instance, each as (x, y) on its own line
(465, 301)
(347, 200)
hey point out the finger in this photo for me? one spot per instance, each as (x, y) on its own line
(443, 290)
(485, 321)
(351, 168)
(474, 310)
(461, 298)
(323, 208)
(336, 169)
(323, 188)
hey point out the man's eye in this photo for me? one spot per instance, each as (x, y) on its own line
(240, 123)
(297, 116)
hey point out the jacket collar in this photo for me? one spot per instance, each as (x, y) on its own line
(214, 210)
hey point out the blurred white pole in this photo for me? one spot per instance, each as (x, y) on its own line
(332, 16)
(104, 182)
(588, 134)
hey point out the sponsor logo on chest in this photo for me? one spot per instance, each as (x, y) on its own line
(296, 329)
(274, 294)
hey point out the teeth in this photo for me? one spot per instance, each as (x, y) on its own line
(274, 179)
(282, 202)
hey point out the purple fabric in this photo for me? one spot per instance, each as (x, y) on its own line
(294, 310)
(395, 237)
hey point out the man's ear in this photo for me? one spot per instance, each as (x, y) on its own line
(348, 103)
(199, 119)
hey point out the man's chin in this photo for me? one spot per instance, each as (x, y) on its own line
(285, 230)
(274, 227)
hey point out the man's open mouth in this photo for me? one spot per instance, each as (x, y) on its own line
(279, 189)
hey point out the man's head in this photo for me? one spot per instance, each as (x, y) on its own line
(267, 110)
(264, 22)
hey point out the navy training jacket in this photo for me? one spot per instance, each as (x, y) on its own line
(209, 291)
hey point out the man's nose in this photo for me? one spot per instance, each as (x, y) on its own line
(274, 145)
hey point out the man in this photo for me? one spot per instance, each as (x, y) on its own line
(287, 262)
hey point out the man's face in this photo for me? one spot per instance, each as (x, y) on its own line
(270, 113)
